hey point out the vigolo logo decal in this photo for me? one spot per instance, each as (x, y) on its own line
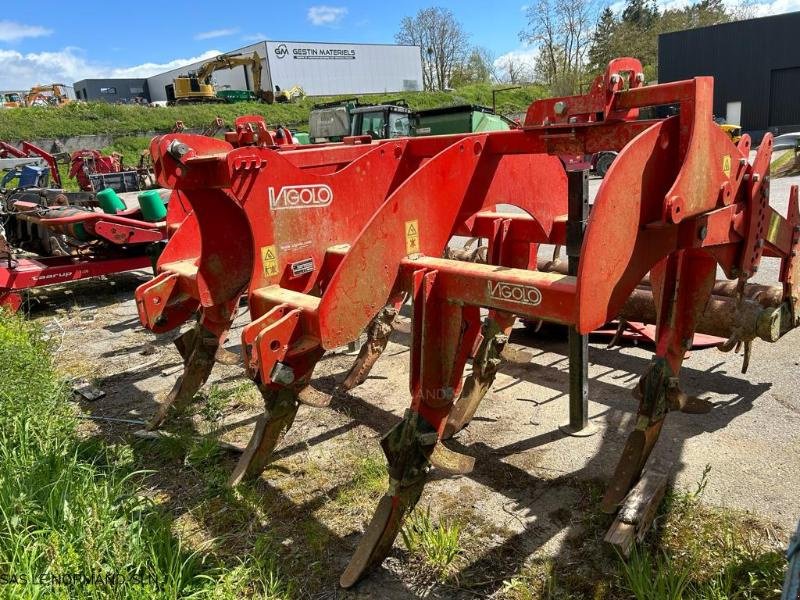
(514, 292)
(300, 196)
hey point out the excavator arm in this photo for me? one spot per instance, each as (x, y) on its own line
(231, 61)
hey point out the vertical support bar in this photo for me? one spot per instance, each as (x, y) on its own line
(578, 212)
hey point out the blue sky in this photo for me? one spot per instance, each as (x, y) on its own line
(68, 41)
(61, 41)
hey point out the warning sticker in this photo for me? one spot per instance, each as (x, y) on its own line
(269, 259)
(726, 165)
(412, 237)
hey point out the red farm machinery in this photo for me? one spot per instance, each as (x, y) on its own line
(329, 241)
(60, 237)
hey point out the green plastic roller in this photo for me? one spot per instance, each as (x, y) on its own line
(152, 206)
(109, 201)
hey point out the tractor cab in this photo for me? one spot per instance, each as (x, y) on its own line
(191, 88)
(383, 121)
(10, 100)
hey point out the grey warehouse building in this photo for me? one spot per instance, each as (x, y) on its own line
(320, 68)
(112, 90)
(755, 65)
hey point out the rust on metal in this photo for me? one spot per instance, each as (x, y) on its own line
(322, 239)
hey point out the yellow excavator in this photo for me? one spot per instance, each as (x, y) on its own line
(293, 93)
(54, 94)
(197, 85)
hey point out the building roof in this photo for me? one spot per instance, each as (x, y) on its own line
(739, 23)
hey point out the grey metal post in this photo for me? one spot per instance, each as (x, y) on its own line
(578, 212)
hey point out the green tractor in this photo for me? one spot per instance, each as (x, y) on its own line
(333, 121)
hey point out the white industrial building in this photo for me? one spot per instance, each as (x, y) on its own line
(321, 69)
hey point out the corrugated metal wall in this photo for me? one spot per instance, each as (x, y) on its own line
(327, 69)
(111, 90)
(235, 78)
(784, 100)
(320, 69)
(741, 57)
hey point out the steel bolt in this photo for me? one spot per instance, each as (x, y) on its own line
(427, 439)
(282, 374)
(560, 107)
(178, 149)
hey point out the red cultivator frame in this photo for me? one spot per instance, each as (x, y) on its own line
(324, 239)
(74, 242)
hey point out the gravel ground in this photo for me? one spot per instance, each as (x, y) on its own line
(526, 468)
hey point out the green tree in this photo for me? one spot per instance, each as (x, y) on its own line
(603, 47)
(443, 42)
(641, 13)
(477, 68)
(562, 31)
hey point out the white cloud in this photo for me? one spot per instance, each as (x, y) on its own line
(617, 7)
(765, 9)
(525, 55)
(520, 63)
(326, 15)
(149, 69)
(216, 33)
(748, 8)
(11, 31)
(21, 71)
(254, 37)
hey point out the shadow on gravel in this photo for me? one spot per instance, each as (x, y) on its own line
(562, 506)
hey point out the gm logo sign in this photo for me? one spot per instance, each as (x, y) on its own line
(281, 51)
(300, 196)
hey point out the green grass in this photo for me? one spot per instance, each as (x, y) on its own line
(655, 577)
(693, 552)
(73, 505)
(120, 120)
(74, 522)
(127, 123)
(784, 164)
(436, 543)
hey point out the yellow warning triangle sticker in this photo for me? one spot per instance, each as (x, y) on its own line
(411, 229)
(268, 255)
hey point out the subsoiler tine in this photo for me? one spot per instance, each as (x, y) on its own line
(378, 332)
(640, 444)
(196, 372)
(280, 410)
(408, 472)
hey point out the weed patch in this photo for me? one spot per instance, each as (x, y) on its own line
(73, 522)
(437, 544)
(80, 118)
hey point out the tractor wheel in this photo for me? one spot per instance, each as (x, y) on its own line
(603, 163)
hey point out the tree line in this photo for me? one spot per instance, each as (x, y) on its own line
(573, 42)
